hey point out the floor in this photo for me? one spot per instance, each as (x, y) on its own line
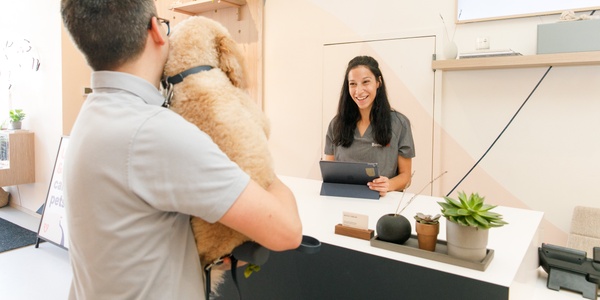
(33, 273)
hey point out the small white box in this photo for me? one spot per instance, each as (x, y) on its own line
(569, 36)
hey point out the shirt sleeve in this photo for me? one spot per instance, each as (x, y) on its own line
(176, 167)
(406, 144)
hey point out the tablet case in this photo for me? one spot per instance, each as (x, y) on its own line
(348, 179)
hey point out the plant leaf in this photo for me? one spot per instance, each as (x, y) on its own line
(452, 202)
(481, 220)
(487, 207)
(463, 212)
(477, 206)
(498, 222)
(462, 195)
(462, 221)
(445, 205)
(471, 221)
(451, 212)
(473, 201)
(490, 215)
(464, 202)
(251, 268)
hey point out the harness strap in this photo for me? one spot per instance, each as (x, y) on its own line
(169, 81)
(217, 262)
(234, 262)
(207, 270)
(175, 79)
(207, 287)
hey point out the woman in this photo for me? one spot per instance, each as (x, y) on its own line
(366, 129)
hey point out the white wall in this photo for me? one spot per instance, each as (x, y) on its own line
(38, 93)
(548, 158)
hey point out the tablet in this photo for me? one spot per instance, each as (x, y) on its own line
(348, 179)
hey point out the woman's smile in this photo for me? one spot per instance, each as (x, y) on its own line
(363, 87)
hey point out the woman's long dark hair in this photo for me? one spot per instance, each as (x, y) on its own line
(348, 113)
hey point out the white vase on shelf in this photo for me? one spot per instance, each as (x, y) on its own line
(450, 50)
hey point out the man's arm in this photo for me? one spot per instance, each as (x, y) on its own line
(269, 217)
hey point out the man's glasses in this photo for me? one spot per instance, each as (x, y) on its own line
(162, 21)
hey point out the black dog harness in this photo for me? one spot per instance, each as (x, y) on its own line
(169, 81)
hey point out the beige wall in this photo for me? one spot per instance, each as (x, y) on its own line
(547, 160)
(39, 92)
(76, 77)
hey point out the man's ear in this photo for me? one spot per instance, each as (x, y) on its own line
(155, 32)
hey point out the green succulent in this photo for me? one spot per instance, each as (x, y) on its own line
(16, 115)
(471, 211)
(427, 219)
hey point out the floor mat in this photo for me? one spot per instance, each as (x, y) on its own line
(13, 236)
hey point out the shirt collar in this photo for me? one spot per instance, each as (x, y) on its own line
(130, 83)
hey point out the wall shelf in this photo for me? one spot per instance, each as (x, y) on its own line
(525, 61)
(199, 6)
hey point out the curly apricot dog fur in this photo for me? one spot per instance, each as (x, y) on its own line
(217, 102)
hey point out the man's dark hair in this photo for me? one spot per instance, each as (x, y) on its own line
(108, 32)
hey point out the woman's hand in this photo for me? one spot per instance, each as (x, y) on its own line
(381, 184)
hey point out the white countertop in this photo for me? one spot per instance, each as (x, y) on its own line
(515, 262)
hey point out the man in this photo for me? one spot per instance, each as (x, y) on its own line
(135, 171)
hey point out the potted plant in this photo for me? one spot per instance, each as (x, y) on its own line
(394, 227)
(16, 116)
(469, 220)
(427, 228)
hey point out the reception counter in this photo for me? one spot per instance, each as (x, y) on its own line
(350, 268)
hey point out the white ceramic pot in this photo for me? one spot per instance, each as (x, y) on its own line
(466, 242)
(15, 125)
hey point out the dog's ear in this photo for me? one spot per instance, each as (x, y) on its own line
(231, 61)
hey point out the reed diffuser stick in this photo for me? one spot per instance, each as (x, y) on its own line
(417, 194)
(446, 28)
(404, 192)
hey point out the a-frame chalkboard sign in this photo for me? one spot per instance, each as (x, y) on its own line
(53, 225)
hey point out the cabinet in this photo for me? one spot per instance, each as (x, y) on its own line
(17, 157)
(525, 61)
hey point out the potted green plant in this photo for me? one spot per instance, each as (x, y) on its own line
(427, 228)
(16, 116)
(395, 227)
(468, 222)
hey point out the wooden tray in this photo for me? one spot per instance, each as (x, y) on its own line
(411, 247)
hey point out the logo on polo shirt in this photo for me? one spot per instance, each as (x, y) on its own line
(378, 145)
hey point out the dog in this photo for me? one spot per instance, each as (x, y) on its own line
(213, 97)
